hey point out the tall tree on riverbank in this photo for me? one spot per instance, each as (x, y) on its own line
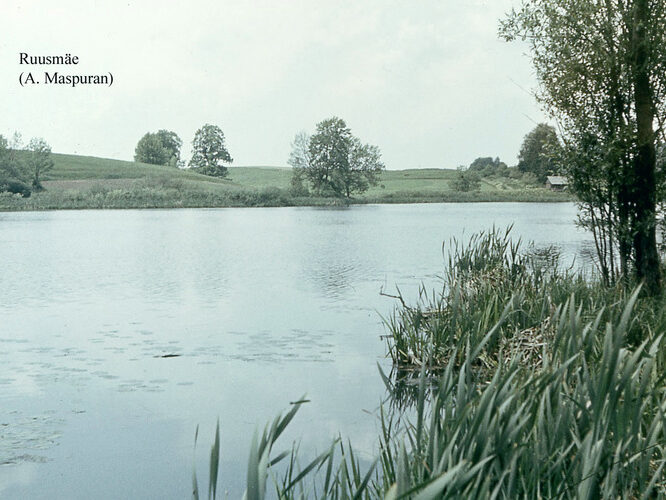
(209, 152)
(334, 162)
(600, 69)
(39, 161)
(540, 152)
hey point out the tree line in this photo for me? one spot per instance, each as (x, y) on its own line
(332, 162)
(209, 150)
(541, 155)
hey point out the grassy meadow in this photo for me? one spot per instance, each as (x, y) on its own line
(88, 182)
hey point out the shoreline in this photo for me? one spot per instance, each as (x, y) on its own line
(127, 200)
(78, 182)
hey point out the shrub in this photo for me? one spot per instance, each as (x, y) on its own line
(16, 187)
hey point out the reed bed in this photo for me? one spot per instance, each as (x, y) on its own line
(532, 382)
(171, 194)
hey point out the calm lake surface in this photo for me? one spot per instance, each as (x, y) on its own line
(260, 305)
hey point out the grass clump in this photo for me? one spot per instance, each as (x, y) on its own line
(587, 423)
(492, 281)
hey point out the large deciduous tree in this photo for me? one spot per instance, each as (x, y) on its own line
(159, 148)
(39, 160)
(541, 152)
(600, 66)
(209, 151)
(333, 161)
(172, 143)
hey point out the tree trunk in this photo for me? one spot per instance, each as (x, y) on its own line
(623, 229)
(644, 188)
(619, 226)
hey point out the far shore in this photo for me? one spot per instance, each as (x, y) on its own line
(82, 182)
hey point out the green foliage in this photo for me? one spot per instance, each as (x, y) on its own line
(541, 152)
(531, 178)
(16, 187)
(160, 148)
(149, 149)
(341, 478)
(586, 422)
(466, 181)
(600, 72)
(10, 163)
(489, 167)
(87, 182)
(213, 468)
(491, 273)
(21, 169)
(172, 144)
(297, 184)
(334, 162)
(300, 161)
(481, 278)
(151, 193)
(299, 157)
(209, 152)
(38, 160)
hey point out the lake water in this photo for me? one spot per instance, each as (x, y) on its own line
(260, 305)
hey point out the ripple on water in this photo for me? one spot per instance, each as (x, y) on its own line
(105, 375)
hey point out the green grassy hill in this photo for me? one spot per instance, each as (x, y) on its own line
(89, 171)
(89, 182)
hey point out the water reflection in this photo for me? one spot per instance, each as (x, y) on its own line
(261, 305)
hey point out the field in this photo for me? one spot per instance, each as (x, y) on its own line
(89, 182)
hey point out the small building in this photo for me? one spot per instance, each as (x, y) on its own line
(556, 182)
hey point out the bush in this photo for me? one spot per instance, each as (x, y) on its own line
(514, 173)
(530, 178)
(16, 187)
(466, 181)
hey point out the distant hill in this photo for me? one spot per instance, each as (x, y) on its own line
(90, 182)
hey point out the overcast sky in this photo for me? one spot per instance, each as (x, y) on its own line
(427, 81)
